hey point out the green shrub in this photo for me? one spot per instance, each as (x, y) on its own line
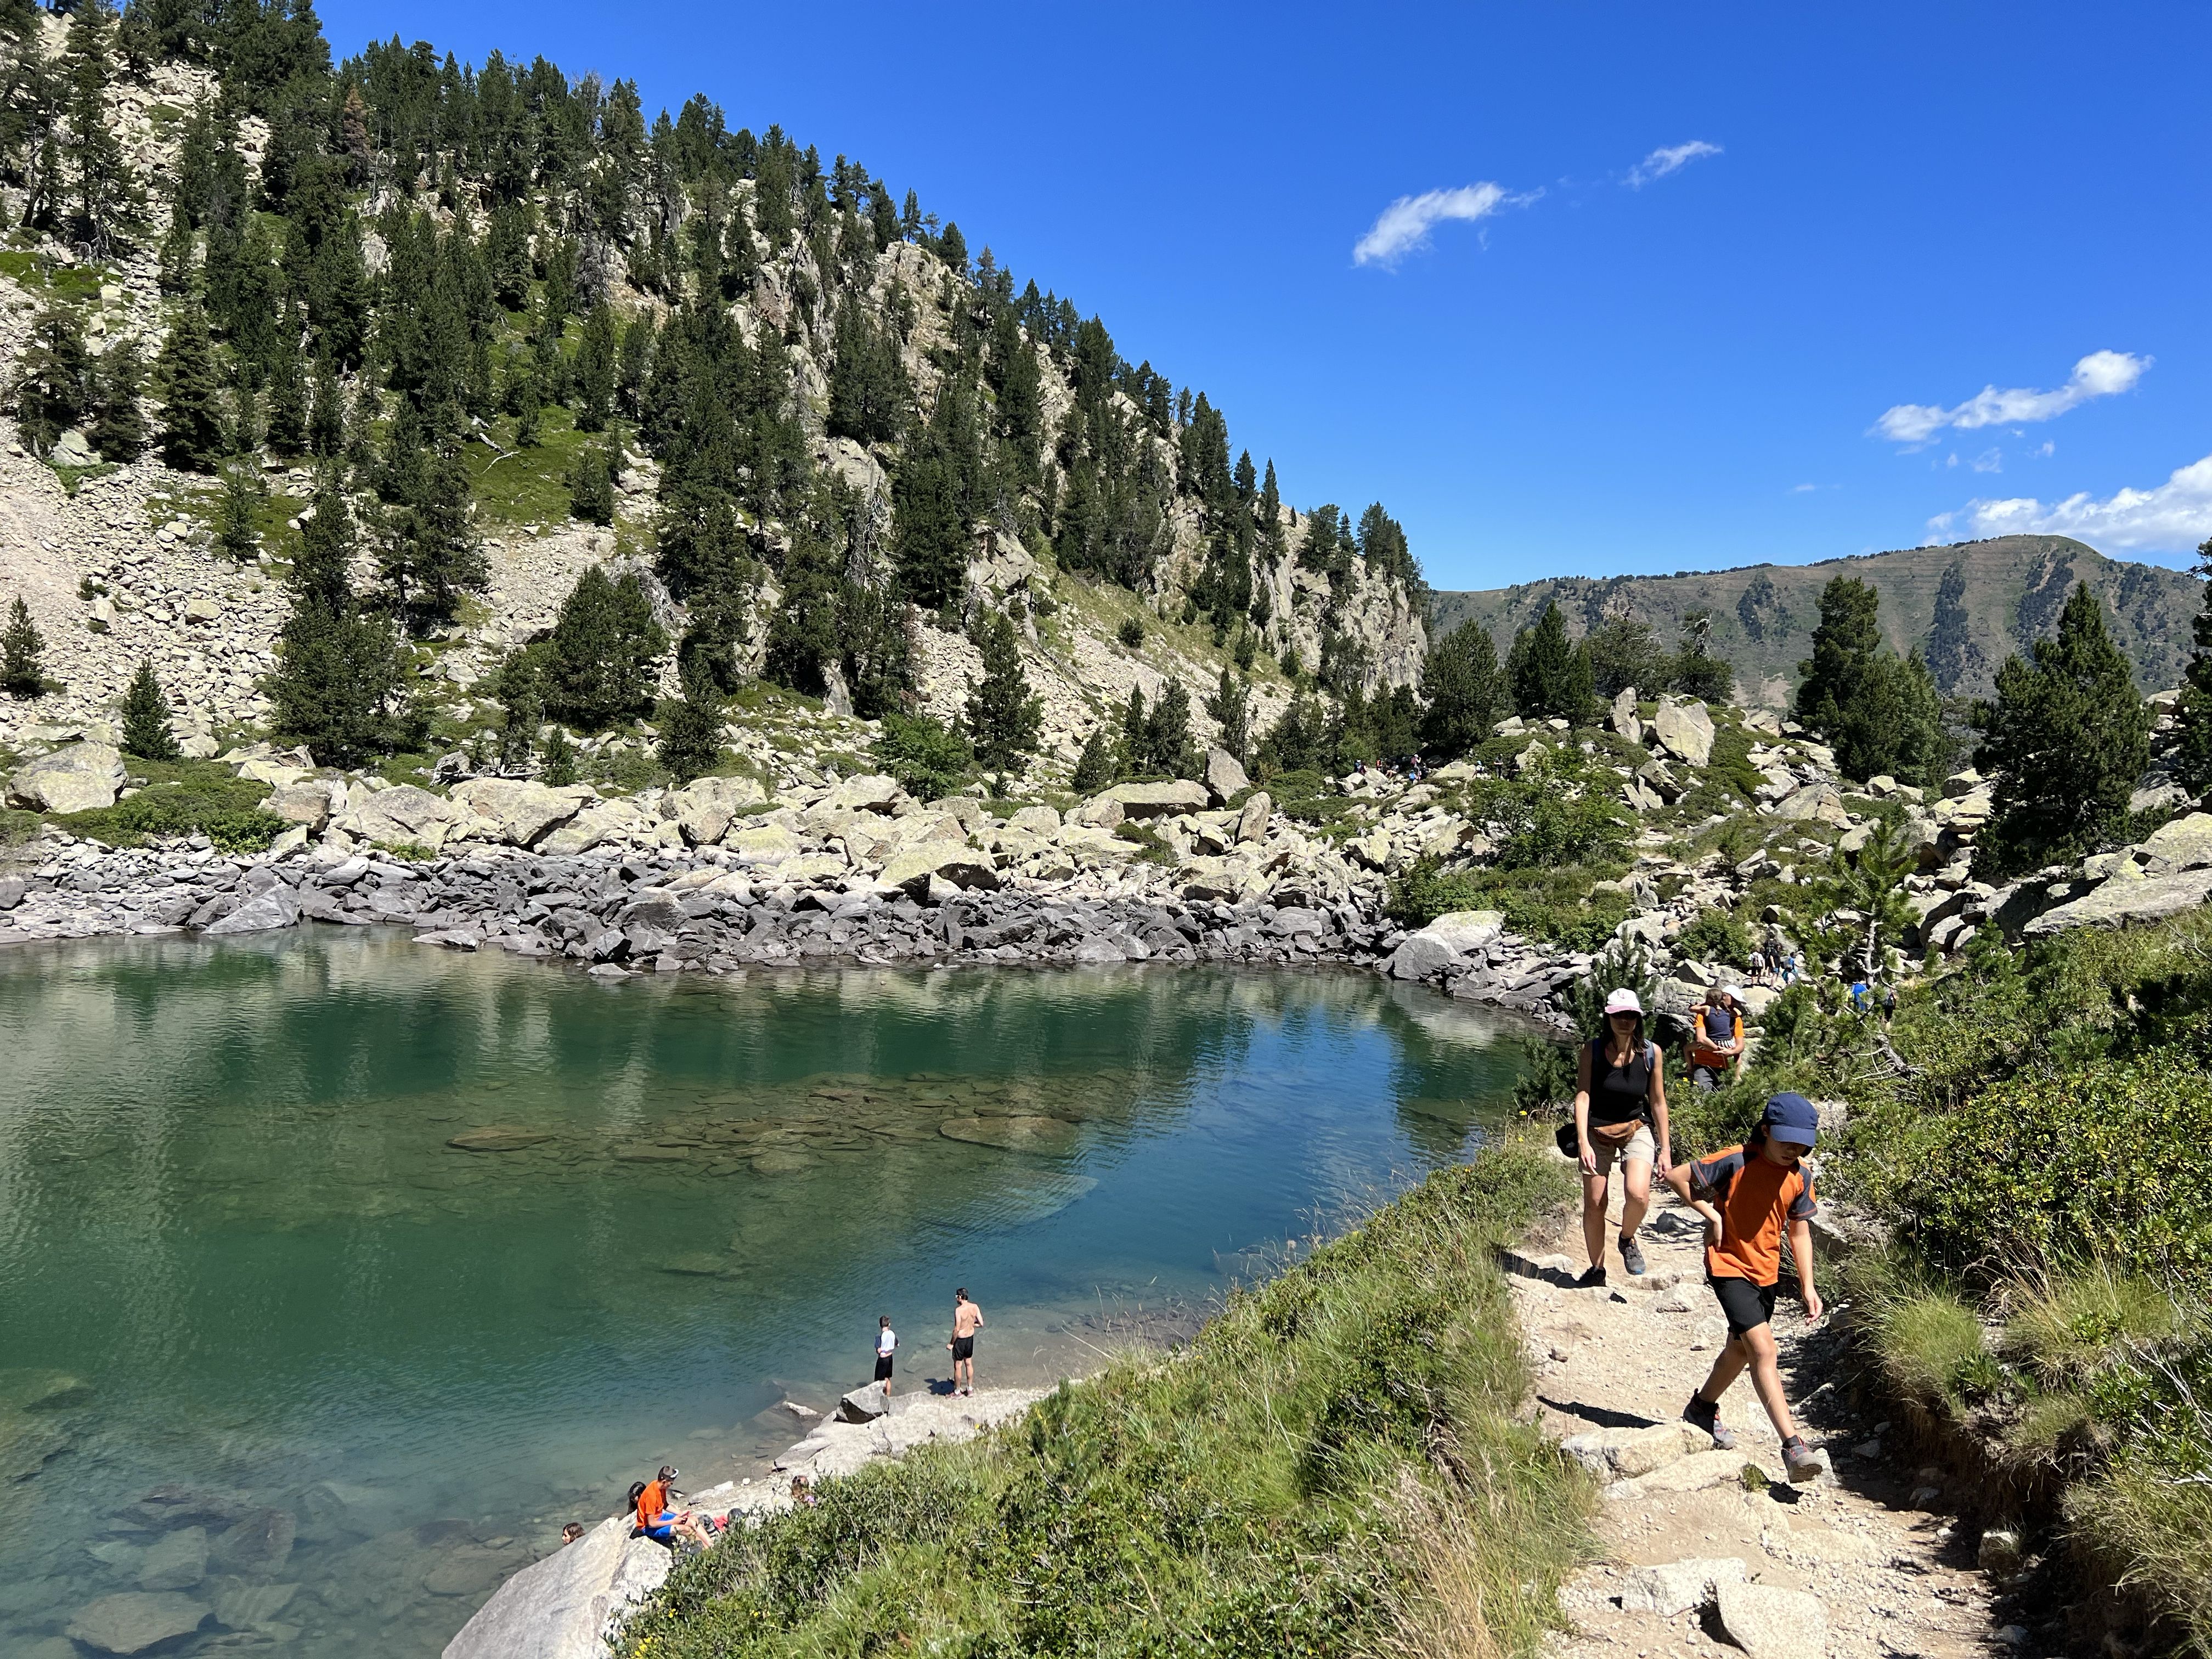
(184, 798)
(1554, 906)
(1715, 935)
(2057, 1166)
(1131, 632)
(1332, 1468)
(928, 757)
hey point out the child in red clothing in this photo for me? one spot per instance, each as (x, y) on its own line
(1747, 1195)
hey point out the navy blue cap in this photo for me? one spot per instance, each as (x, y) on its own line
(1792, 1118)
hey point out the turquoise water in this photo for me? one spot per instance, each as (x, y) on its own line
(243, 1266)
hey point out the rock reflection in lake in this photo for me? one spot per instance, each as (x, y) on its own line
(337, 1273)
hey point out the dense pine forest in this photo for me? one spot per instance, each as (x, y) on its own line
(405, 272)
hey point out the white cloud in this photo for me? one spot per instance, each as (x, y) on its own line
(1403, 227)
(1990, 460)
(2099, 374)
(2175, 517)
(1673, 159)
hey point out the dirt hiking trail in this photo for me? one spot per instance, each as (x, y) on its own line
(1701, 1559)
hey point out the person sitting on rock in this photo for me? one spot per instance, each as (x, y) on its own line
(1620, 1101)
(1747, 1195)
(801, 1493)
(659, 1518)
(1716, 1038)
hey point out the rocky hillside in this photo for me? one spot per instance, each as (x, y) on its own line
(1967, 606)
(818, 394)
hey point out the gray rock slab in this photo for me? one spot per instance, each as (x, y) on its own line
(562, 1607)
(277, 908)
(1770, 1623)
(1677, 1587)
(74, 779)
(2117, 903)
(174, 1561)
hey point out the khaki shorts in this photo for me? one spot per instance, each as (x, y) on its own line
(1638, 1147)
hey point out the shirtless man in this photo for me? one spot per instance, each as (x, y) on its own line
(967, 1320)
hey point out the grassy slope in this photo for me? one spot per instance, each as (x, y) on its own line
(1335, 1466)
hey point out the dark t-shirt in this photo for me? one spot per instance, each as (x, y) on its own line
(1619, 1094)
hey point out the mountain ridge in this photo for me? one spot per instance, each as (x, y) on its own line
(1967, 605)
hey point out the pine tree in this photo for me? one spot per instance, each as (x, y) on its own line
(340, 682)
(604, 652)
(1694, 671)
(558, 768)
(191, 437)
(1094, 767)
(1230, 706)
(519, 685)
(1464, 687)
(108, 204)
(1550, 677)
(120, 432)
(234, 535)
(591, 487)
(1169, 747)
(932, 516)
(867, 385)
(21, 673)
(1879, 714)
(2192, 759)
(54, 387)
(327, 432)
(146, 717)
(692, 726)
(2066, 737)
(1625, 653)
(287, 394)
(430, 555)
(1003, 718)
(596, 366)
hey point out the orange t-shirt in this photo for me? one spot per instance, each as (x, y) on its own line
(1755, 1196)
(652, 1502)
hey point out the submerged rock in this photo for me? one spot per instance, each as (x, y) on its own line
(498, 1137)
(1013, 1135)
(136, 1620)
(175, 1562)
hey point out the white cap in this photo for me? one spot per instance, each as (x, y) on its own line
(1624, 1001)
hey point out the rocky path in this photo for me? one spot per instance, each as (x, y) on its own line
(1699, 1557)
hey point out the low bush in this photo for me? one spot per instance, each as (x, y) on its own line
(1332, 1468)
(185, 797)
(1715, 935)
(1554, 906)
(928, 757)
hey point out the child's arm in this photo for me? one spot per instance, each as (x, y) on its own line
(1801, 1252)
(1679, 1179)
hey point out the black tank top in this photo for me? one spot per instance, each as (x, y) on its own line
(1618, 1094)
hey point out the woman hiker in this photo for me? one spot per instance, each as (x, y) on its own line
(1620, 1100)
(1747, 1194)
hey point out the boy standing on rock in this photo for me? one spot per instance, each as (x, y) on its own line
(1747, 1194)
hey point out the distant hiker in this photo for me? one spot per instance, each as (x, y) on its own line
(659, 1518)
(1620, 1099)
(1716, 1038)
(1888, 999)
(1758, 967)
(886, 1346)
(967, 1320)
(1747, 1195)
(572, 1532)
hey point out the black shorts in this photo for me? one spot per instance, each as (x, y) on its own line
(883, 1368)
(1745, 1306)
(964, 1347)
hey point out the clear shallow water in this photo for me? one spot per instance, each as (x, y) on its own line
(243, 1267)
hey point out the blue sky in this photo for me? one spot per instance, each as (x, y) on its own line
(1618, 367)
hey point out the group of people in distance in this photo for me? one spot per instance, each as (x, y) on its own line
(1749, 1196)
(654, 1506)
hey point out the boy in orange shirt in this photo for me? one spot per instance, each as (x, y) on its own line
(1747, 1195)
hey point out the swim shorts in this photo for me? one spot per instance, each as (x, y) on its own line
(883, 1368)
(964, 1347)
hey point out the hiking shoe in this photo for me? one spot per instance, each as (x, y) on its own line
(1631, 1254)
(1594, 1279)
(1800, 1460)
(1703, 1415)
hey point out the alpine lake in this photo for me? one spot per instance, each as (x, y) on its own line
(337, 1273)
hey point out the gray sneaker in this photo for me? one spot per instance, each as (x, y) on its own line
(1703, 1415)
(1631, 1254)
(1800, 1460)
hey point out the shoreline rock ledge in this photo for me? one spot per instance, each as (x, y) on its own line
(566, 1605)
